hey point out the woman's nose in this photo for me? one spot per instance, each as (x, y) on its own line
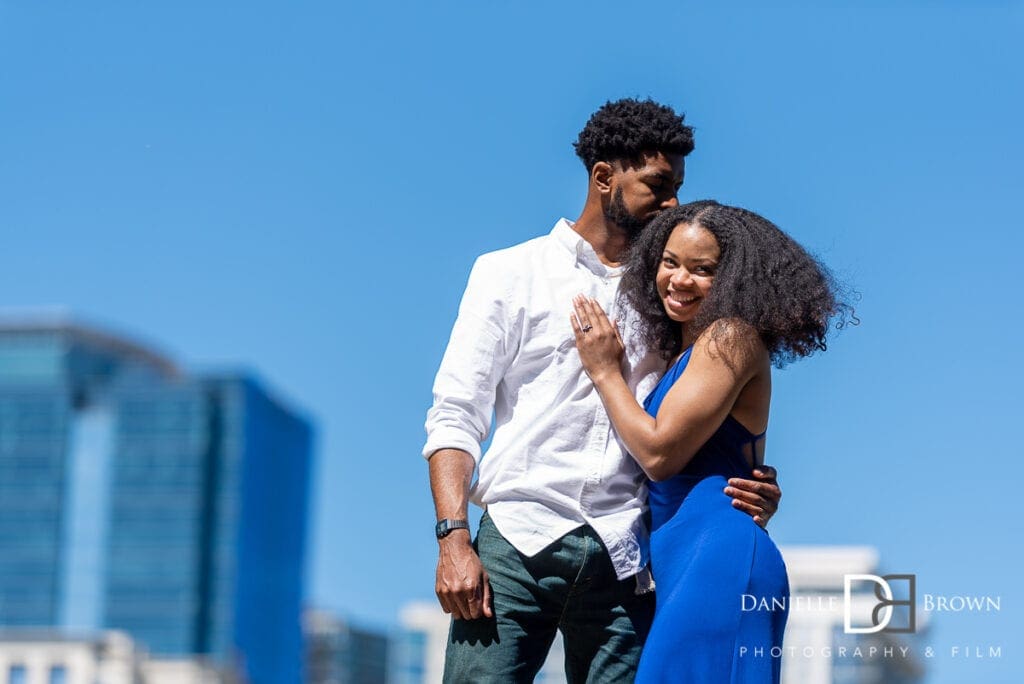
(681, 277)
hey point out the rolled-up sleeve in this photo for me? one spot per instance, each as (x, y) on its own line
(473, 364)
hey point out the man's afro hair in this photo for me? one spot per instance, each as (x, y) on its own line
(625, 129)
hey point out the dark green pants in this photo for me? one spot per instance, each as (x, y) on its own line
(569, 586)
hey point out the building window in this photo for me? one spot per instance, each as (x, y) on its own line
(17, 674)
(58, 674)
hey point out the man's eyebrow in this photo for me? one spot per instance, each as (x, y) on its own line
(664, 177)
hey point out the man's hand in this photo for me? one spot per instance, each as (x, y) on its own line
(462, 586)
(758, 498)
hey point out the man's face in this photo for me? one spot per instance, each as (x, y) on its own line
(641, 190)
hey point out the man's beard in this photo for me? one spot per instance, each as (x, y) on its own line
(620, 216)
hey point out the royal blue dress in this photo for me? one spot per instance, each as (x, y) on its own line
(705, 556)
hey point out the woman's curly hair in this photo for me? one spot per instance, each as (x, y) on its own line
(626, 129)
(764, 279)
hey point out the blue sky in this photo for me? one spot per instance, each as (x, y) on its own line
(301, 189)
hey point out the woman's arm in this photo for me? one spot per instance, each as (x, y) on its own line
(724, 359)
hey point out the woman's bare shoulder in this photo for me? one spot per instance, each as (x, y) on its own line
(735, 342)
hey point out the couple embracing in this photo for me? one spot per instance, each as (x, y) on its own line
(624, 360)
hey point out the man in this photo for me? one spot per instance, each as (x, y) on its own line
(563, 543)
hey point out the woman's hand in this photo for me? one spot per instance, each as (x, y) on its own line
(597, 339)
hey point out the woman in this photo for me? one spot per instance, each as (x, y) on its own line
(722, 293)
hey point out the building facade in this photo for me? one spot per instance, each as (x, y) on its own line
(139, 498)
(110, 657)
(817, 647)
(339, 652)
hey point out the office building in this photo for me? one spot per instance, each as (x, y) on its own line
(136, 497)
(38, 657)
(339, 652)
(817, 648)
(110, 657)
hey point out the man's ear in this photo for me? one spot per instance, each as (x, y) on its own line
(601, 177)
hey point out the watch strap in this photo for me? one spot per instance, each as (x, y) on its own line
(446, 526)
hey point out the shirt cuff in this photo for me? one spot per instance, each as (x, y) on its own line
(451, 438)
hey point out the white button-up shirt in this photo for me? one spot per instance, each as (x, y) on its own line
(554, 462)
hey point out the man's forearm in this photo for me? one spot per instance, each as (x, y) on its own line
(451, 471)
(461, 585)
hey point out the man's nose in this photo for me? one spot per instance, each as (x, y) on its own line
(670, 203)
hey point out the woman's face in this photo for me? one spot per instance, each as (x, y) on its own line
(686, 270)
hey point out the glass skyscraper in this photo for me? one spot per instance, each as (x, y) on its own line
(136, 497)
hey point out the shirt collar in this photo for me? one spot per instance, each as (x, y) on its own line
(581, 250)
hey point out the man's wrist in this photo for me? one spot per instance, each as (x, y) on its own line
(457, 538)
(446, 526)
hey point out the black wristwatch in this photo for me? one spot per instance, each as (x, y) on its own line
(446, 527)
